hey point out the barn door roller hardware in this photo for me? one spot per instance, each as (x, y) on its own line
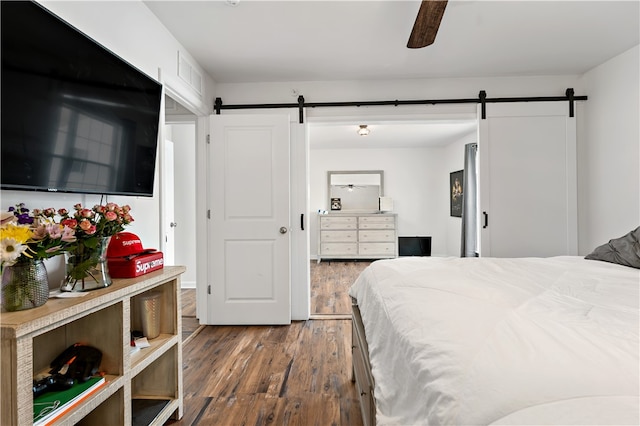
(481, 99)
(569, 96)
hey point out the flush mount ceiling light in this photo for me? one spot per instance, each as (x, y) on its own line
(350, 187)
(363, 130)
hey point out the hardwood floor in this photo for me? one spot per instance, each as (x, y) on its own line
(284, 375)
(190, 323)
(298, 374)
(330, 282)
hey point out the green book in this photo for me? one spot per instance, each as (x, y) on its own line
(49, 406)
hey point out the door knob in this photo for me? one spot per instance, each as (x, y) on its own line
(283, 229)
(173, 224)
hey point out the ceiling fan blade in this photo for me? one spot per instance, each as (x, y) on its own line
(427, 23)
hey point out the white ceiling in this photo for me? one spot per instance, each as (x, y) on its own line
(269, 41)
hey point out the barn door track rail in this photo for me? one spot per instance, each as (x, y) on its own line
(482, 99)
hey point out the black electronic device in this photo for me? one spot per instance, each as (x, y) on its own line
(414, 246)
(75, 116)
(53, 383)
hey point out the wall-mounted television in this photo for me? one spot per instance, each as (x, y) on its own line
(75, 116)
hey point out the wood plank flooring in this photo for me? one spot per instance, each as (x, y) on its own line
(298, 374)
(283, 375)
(330, 282)
(190, 323)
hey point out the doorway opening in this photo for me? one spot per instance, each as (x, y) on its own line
(416, 154)
(178, 203)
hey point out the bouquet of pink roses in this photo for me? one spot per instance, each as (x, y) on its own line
(99, 222)
(86, 265)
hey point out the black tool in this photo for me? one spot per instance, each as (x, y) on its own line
(55, 382)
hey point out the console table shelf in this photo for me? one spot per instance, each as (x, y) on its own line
(104, 319)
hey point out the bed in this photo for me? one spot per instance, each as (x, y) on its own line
(497, 341)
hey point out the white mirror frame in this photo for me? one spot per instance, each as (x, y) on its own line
(356, 177)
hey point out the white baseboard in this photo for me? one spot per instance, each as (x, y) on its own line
(187, 284)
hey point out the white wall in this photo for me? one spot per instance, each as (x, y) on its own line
(369, 90)
(609, 153)
(410, 179)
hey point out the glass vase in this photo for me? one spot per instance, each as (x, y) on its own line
(86, 267)
(25, 285)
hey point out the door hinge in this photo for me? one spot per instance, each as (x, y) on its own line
(209, 289)
(209, 214)
(208, 139)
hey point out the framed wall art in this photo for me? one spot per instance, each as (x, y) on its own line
(455, 192)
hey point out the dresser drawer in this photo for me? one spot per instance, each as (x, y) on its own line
(377, 236)
(376, 225)
(338, 236)
(338, 222)
(379, 218)
(338, 249)
(377, 249)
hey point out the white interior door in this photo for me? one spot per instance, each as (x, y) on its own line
(528, 182)
(168, 200)
(249, 265)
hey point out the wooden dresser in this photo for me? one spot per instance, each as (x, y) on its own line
(357, 236)
(101, 318)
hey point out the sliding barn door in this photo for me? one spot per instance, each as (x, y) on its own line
(528, 190)
(249, 244)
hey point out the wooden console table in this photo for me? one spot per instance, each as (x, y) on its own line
(102, 318)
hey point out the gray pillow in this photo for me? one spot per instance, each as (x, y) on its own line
(623, 251)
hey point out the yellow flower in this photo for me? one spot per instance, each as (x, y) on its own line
(20, 233)
(13, 240)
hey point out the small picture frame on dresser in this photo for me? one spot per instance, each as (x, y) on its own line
(336, 204)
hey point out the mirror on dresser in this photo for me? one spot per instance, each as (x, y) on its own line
(355, 190)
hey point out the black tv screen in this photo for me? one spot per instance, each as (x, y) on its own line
(414, 246)
(75, 117)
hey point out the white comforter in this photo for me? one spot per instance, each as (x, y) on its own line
(480, 341)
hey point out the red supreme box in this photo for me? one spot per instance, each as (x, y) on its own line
(134, 266)
(127, 258)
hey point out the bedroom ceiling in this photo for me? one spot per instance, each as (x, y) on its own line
(304, 40)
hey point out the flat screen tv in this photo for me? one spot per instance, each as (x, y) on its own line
(414, 246)
(75, 117)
